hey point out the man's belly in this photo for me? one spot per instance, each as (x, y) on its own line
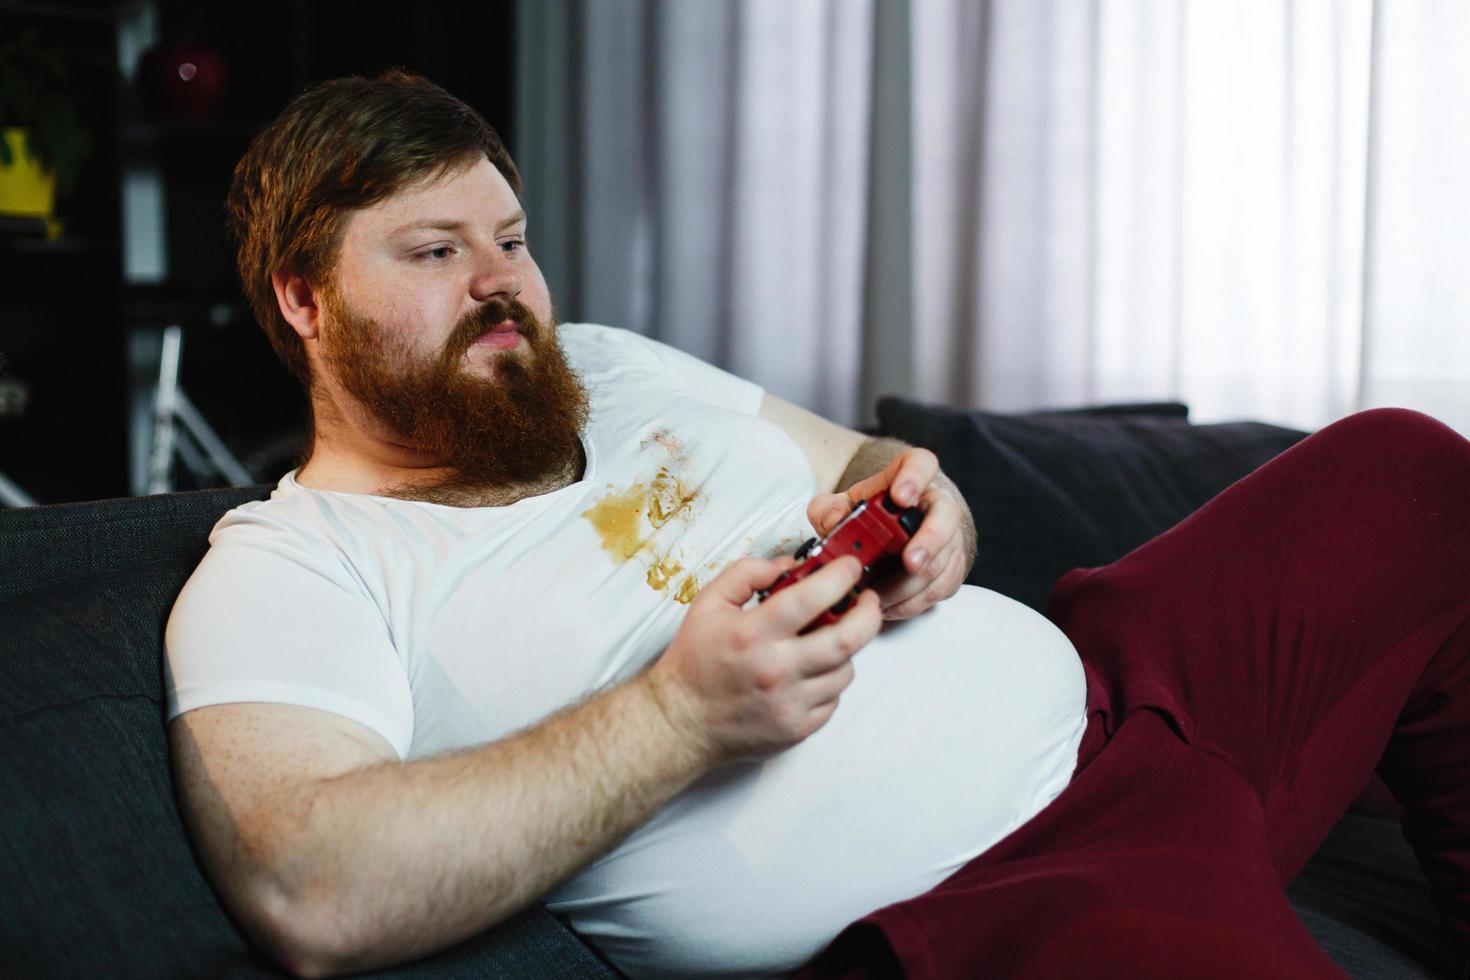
(959, 726)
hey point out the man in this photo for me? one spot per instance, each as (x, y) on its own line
(494, 641)
(376, 753)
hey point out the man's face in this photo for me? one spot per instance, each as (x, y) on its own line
(420, 260)
(438, 324)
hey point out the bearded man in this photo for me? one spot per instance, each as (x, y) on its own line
(495, 642)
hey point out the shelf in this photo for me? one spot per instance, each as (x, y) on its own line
(19, 245)
(101, 12)
(190, 306)
(154, 135)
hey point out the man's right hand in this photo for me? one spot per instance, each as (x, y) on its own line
(738, 680)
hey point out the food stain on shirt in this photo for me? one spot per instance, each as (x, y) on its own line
(667, 441)
(616, 518)
(784, 547)
(660, 573)
(630, 519)
(668, 498)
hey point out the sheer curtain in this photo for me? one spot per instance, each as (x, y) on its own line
(1261, 208)
(700, 172)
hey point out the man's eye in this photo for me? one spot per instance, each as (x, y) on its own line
(438, 253)
(513, 244)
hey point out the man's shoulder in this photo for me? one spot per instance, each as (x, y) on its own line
(291, 514)
(593, 347)
(329, 537)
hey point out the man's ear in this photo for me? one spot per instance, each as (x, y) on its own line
(299, 303)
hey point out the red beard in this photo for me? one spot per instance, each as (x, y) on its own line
(522, 426)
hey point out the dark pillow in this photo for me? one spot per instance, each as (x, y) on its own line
(1052, 491)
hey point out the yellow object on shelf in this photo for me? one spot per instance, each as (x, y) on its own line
(25, 189)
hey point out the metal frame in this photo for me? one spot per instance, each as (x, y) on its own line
(176, 428)
(12, 495)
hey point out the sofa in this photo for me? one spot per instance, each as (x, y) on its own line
(98, 873)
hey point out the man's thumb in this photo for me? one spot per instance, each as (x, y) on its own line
(826, 510)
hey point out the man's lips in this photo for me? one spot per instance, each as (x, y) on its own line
(505, 334)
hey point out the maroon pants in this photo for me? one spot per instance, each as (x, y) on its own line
(1247, 672)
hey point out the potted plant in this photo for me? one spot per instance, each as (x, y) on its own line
(44, 137)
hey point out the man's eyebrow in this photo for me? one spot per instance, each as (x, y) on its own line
(451, 224)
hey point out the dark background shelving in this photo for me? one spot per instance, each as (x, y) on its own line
(65, 309)
(60, 333)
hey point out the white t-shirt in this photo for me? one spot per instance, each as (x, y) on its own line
(442, 627)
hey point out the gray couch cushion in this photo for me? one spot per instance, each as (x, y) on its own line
(98, 872)
(1364, 900)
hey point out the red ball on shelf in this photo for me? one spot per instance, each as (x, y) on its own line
(183, 81)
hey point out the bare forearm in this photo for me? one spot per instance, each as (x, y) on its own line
(876, 453)
(398, 860)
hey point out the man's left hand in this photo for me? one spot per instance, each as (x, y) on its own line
(937, 558)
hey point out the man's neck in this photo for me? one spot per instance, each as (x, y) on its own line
(331, 469)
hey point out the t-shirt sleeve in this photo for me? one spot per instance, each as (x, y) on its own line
(702, 380)
(267, 621)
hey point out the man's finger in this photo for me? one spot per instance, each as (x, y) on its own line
(737, 583)
(939, 588)
(827, 509)
(940, 527)
(828, 648)
(900, 588)
(795, 606)
(905, 585)
(914, 470)
(828, 687)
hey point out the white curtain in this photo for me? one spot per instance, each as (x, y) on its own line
(1260, 208)
(699, 172)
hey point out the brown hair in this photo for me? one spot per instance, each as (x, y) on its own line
(339, 146)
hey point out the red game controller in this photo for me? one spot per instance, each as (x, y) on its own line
(875, 532)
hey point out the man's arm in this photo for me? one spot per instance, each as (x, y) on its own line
(336, 857)
(850, 467)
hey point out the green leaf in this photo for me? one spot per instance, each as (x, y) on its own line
(45, 85)
(35, 146)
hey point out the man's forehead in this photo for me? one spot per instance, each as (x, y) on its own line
(455, 223)
(478, 195)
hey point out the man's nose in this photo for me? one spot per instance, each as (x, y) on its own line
(497, 278)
